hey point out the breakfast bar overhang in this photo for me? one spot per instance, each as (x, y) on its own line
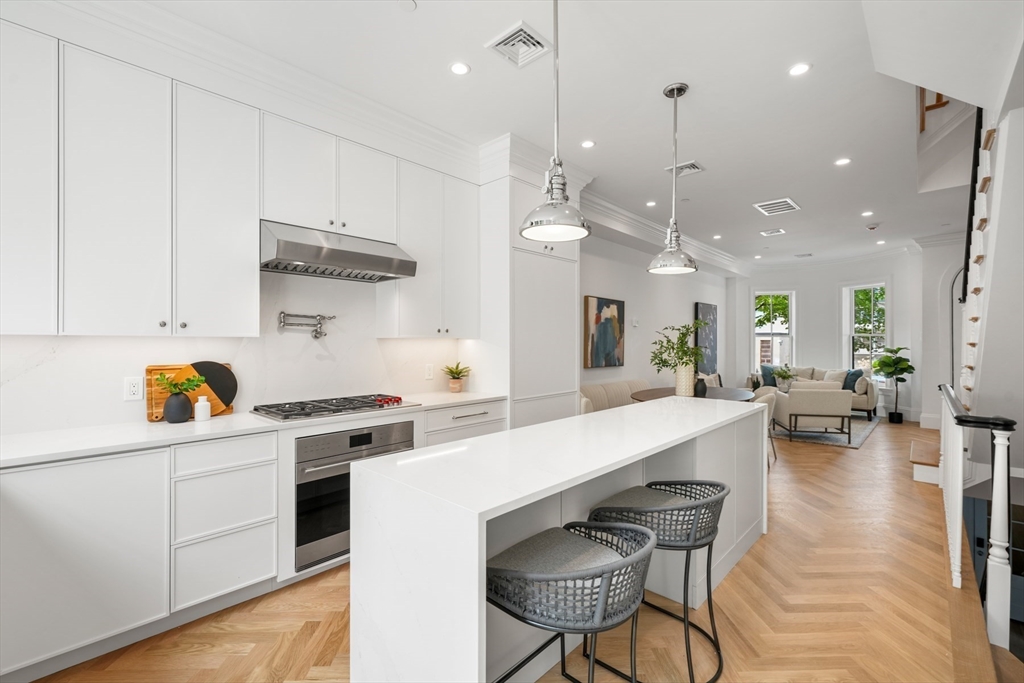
(424, 523)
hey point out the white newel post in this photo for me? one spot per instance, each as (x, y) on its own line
(997, 600)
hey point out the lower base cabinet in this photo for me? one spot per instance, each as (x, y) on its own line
(85, 553)
(459, 433)
(444, 425)
(215, 566)
(531, 411)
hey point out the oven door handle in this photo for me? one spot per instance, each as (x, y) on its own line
(307, 470)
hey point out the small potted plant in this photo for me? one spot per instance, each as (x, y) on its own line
(178, 406)
(674, 353)
(783, 378)
(456, 376)
(893, 366)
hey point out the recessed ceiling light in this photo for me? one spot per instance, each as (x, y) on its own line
(758, 256)
(717, 237)
(799, 69)
(587, 144)
(652, 203)
(880, 242)
(460, 69)
(868, 213)
(842, 162)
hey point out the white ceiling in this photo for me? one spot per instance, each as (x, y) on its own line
(761, 133)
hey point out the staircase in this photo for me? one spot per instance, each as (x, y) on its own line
(925, 458)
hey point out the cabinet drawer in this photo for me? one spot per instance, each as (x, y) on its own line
(219, 453)
(221, 564)
(215, 502)
(447, 418)
(459, 433)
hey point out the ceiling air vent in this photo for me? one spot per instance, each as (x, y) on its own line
(686, 168)
(772, 233)
(520, 45)
(803, 255)
(776, 206)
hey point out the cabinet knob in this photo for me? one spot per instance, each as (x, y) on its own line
(163, 323)
(446, 330)
(344, 224)
(330, 222)
(552, 248)
(183, 325)
(439, 330)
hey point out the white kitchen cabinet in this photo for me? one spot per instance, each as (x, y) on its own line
(525, 198)
(216, 230)
(299, 172)
(116, 198)
(533, 411)
(211, 503)
(223, 563)
(438, 226)
(28, 181)
(367, 193)
(545, 310)
(85, 553)
(467, 432)
(458, 416)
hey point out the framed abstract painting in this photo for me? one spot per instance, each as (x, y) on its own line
(707, 337)
(604, 332)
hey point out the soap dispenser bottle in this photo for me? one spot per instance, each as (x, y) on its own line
(202, 409)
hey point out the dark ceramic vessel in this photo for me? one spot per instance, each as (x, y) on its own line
(700, 388)
(177, 408)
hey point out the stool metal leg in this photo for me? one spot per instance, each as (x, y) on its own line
(686, 615)
(631, 677)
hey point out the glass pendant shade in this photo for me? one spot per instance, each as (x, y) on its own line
(555, 221)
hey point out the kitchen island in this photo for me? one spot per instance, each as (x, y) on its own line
(424, 523)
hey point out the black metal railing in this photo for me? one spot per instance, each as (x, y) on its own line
(978, 117)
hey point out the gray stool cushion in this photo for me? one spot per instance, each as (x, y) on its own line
(554, 551)
(641, 497)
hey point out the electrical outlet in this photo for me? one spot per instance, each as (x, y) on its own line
(133, 388)
(429, 374)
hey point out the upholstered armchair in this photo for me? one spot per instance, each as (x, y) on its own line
(814, 405)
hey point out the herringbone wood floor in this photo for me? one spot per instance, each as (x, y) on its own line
(849, 585)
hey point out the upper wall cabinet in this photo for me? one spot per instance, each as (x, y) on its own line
(316, 180)
(217, 239)
(28, 181)
(526, 198)
(367, 193)
(299, 167)
(438, 225)
(116, 225)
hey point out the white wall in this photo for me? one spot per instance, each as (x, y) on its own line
(655, 301)
(57, 382)
(939, 263)
(817, 315)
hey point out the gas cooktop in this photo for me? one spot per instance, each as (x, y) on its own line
(324, 407)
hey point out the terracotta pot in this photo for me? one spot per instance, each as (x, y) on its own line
(455, 385)
(684, 380)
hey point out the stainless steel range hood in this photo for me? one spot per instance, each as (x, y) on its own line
(304, 251)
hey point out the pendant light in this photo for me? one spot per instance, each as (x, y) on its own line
(673, 260)
(556, 220)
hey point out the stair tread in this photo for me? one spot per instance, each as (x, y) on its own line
(924, 453)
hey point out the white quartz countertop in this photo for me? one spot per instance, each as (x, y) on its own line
(492, 474)
(34, 448)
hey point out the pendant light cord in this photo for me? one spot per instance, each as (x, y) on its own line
(555, 161)
(675, 160)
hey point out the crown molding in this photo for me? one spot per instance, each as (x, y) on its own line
(511, 155)
(612, 216)
(897, 251)
(942, 240)
(153, 28)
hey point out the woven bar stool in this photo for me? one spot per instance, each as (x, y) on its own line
(583, 578)
(684, 515)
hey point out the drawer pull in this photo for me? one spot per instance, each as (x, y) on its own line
(459, 417)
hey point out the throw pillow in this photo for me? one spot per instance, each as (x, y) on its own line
(803, 373)
(766, 374)
(861, 387)
(851, 380)
(836, 375)
(713, 380)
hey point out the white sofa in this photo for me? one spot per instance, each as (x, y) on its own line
(865, 402)
(812, 406)
(611, 395)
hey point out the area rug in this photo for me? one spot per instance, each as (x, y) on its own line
(860, 430)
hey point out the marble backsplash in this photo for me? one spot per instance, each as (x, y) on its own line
(60, 382)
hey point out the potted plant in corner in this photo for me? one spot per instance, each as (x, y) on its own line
(178, 406)
(893, 366)
(675, 353)
(456, 376)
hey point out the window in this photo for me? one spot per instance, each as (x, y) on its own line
(868, 325)
(773, 343)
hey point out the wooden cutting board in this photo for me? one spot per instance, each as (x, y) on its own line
(155, 395)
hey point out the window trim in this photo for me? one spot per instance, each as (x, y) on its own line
(755, 354)
(846, 340)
